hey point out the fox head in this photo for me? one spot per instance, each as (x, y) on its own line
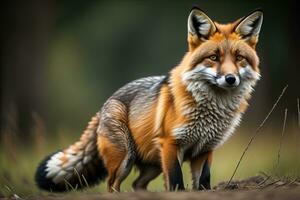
(221, 56)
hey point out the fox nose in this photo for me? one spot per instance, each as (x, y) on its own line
(230, 79)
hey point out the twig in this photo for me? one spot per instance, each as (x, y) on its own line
(267, 177)
(68, 184)
(8, 189)
(79, 178)
(272, 183)
(13, 194)
(297, 137)
(279, 150)
(202, 187)
(263, 173)
(298, 109)
(114, 189)
(256, 132)
(281, 139)
(85, 181)
(264, 181)
(293, 181)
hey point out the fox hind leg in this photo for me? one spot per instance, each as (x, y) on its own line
(115, 143)
(112, 157)
(148, 172)
(123, 171)
(117, 162)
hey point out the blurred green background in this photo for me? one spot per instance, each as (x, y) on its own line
(61, 60)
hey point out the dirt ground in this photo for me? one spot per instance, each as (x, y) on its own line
(257, 187)
(278, 194)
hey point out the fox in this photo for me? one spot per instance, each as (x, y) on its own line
(156, 123)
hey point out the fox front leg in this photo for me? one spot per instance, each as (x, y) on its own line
(200, 167)
(171, 167)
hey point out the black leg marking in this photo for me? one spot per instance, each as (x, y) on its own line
(204, 181)
(175, 177)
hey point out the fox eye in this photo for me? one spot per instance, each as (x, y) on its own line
(239, 57)
(213, 57)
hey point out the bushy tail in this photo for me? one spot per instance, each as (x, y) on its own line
(75, 167)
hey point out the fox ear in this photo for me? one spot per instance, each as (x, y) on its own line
(249, 27)
(200, 25)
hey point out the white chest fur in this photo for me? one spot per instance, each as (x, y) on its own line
(215, 115)
(211, 122)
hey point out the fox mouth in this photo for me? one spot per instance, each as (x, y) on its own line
(216, 85)
(220, 81)
(226, 87)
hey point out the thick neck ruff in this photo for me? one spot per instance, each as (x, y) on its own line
(213, 118)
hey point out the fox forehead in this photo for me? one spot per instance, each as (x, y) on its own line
(226, 29)
(225, 44)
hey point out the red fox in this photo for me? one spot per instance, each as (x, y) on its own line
(156, 123)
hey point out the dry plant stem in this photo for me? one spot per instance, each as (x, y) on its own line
(297, 137)
(114, 189)
(293, 181)
(85, 181)
(79, 178)
(264, 181)
(298, 109)
(272, 183)
(68, 184)
(256, 132)
(279, 150)
(281, 139)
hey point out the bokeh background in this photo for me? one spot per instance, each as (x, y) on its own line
(60, 61)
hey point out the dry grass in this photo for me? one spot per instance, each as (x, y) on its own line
(18, 161)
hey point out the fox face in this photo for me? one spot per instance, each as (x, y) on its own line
(221, 57)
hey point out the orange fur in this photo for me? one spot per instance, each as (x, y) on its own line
(209, 157)
(168, 156)
(197, 163)
(64, 160)
(243, 107)
(112, 157)
(144, 135)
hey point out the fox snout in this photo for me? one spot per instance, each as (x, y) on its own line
(229, 80)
